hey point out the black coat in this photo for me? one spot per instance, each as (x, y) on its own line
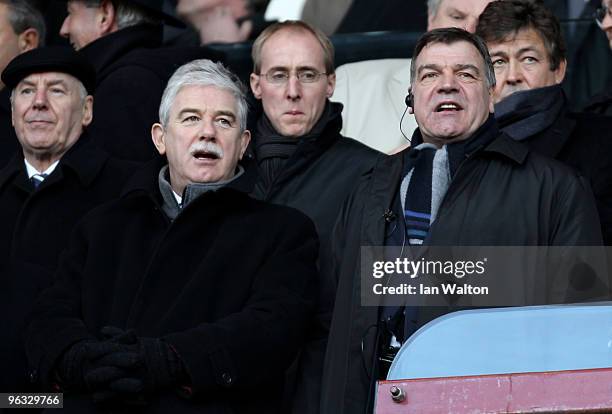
(316, 180)
(600, 104)
(128, 91)
(584, 142)
(34, 229)
(229, 284)
(8, 140)
(501, 195)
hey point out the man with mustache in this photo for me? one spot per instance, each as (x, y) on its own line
(57, 176)
(206, 292)
(528, 53)
(462, 182)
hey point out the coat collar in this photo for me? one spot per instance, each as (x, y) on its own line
(84, 160)
(551, 141)
(105, 51)
(310, 147)
(146, 181)
(486, 140)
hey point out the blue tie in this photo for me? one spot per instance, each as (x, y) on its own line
(37, 179)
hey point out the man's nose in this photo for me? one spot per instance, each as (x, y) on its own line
(294, 87)
(470, 24)
(40, 98)
(448, 83)
(64, 32)
(514, 73)
(207, 129)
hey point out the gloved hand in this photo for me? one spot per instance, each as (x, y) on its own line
(162, 367)
(77, 361)
(137, 365)
(114, 376)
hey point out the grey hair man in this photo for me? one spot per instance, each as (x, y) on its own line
(202, 129)
(54, 179)
(452, 13)
(167, 261)
(116, 37)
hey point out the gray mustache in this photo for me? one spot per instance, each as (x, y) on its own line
(206, 146)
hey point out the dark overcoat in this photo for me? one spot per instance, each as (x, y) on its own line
(8, 140)
(501, 195)
(129, 87)
(34, 229)
(229, 284)
(583, 141)
(316, 180)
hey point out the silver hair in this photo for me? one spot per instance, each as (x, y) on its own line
(203, 72)
(432, 7)
(126, 14)
(22, 16)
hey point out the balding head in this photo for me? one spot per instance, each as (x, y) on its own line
(454, 13)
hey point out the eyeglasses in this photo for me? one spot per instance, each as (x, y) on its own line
(281, 77)
(601, 13)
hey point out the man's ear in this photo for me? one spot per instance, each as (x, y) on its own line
(28, 39)
(560, 71)
(107, 18)
(159, 138)
(87, 110)
(491, 100)
(255, 80)
(331, 85)
(245, 139)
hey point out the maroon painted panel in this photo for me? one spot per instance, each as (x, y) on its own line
(540, 392)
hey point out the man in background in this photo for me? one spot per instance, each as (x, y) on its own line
(22, 28)
(529, 56)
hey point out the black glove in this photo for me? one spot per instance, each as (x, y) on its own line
(137, 365)
(114, 376)
(76, 362)
(162, 367)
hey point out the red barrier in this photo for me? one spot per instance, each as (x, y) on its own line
(582, 391)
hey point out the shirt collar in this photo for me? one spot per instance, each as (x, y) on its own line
(33, 171)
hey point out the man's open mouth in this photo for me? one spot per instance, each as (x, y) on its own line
(205, 155)
(448, 106)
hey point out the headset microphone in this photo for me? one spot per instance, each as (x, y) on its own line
(409, 99)
(409, 104)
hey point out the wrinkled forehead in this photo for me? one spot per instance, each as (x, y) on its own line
(291, 46)
(47, 78)
(202, 98)
(467, 7)
(459, 52)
